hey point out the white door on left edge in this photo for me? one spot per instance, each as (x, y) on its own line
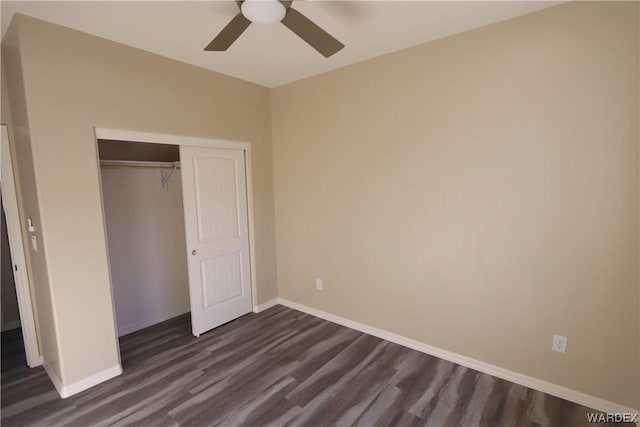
(217, 231)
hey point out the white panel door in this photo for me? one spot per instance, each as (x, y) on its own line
(217, 231)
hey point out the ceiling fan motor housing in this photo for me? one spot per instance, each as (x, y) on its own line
(263, 11)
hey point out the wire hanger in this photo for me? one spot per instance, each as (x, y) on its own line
(164, 175)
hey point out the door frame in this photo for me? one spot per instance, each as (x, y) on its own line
(16, 245)
(156, 138)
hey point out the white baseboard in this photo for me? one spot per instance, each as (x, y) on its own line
(496, 371)
(82, 385)
(14, 324)
(57, 383)
(266, 305)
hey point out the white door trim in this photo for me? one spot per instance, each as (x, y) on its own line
(23, 291)
(157, 138)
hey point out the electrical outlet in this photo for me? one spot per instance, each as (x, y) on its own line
(559, 344)
(319, 284)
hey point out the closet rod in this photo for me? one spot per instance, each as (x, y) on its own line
(119, 164)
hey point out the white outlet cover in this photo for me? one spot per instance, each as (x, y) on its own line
(559, 344)
(319, 284)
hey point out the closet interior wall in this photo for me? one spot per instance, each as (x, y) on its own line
(145, 233)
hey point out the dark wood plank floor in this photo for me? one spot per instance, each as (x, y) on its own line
(280, 367)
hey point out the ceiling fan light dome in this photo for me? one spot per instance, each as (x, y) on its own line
(263, 11)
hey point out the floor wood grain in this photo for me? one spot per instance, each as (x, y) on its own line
(277, 368)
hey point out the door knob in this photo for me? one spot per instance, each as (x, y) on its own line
(193, 252)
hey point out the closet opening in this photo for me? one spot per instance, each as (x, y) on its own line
(179, 232)
(145, 228)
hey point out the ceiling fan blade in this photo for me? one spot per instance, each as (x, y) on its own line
(308, 31)
(229, 34)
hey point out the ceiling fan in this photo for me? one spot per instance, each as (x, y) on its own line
(270, 12)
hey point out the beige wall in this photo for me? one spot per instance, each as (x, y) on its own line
(14, 115)
(478, 193)
(74, 82)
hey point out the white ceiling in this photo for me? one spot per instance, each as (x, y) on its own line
(270, 55)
